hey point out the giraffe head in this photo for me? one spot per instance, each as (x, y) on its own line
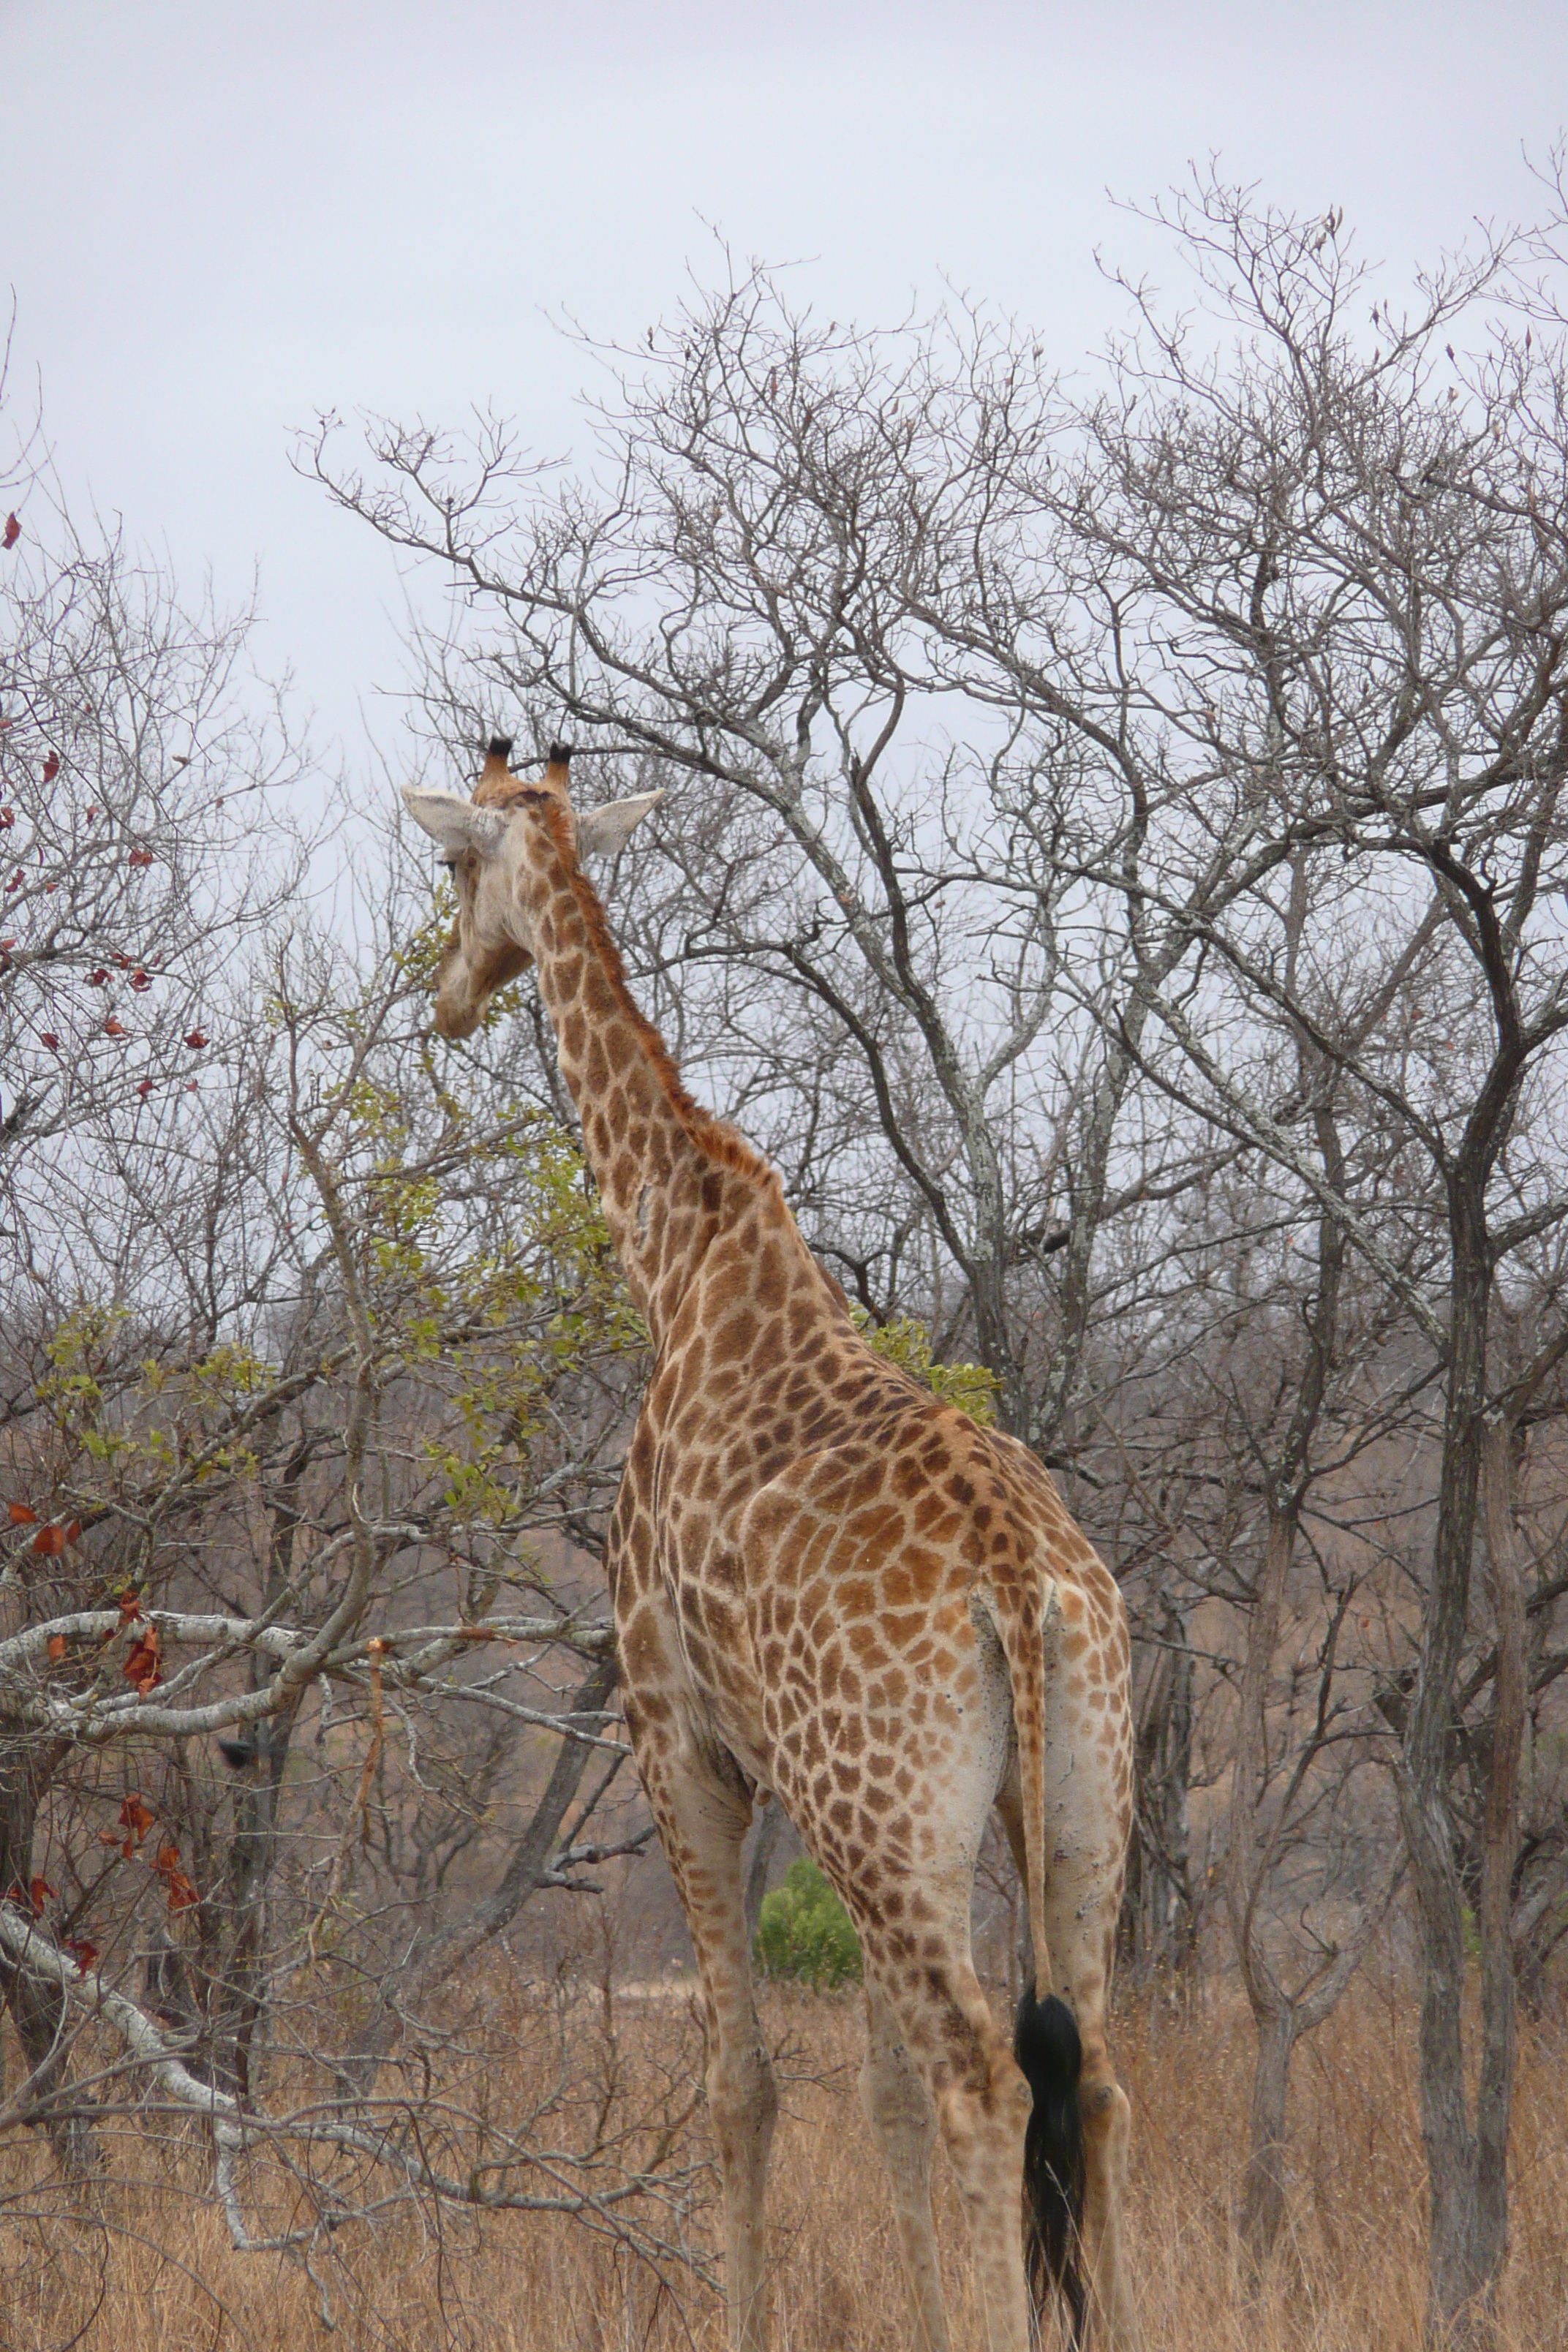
(486, 843)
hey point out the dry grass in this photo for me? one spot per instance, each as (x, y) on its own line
(144, 2261)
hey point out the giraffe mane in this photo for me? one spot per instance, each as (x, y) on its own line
(708, 1131)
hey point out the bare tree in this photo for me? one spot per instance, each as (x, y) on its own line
(1136, 799)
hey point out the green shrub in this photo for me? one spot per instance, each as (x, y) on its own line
(804, 1932)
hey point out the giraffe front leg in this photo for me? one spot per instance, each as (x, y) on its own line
(702, 1819)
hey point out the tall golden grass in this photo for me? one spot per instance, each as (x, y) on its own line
(140, 2260)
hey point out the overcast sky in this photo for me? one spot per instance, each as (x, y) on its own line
(221, 219)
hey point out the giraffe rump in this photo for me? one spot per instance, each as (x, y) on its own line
(1047, 2047)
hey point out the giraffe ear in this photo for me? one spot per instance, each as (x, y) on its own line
(602, 831)
(456, 824)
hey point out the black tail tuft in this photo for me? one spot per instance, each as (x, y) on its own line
(1047, 2046)
(499, 746)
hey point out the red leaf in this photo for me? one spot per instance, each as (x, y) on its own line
(46, 1037)
(136, 1816)
(38, 1889)
(99, 976)
(121, 958)
(12, 533)
(111, 1028)
(142, 1667)
(140, 858)
(195, 1039)
(50, 1542)
(7, 819)
(166, 1863)
(91, 815)
(140, 979)
(81, 1951)
(56, 1647)
(21, 1515)
(130, 1604)
(73, 1530)
(51, 767)
(144, 1087)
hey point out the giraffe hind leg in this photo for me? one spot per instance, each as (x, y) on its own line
(904, 2122)
(1085, 1817)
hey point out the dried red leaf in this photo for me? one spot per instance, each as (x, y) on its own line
(81, 1951)
(46, 1037)
(142, 1665)
(21, 1515)
(50, 1542)
(39, 1892)
(129, 1604)
(144, 1087)
(57, 1648)
(181, 1893)
(99, 976)
(12, 533)
(7, 819)
(140, 858)
(73, 1531)
(51, 767)
(140, 979)
(136, 1815)
(111, 1028)
(195, 1039)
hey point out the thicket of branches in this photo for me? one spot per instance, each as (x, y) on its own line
(1114, 861)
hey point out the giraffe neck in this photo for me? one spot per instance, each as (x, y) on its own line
(669, 1174)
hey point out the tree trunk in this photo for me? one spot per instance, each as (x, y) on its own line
(770, 1822)
(37, 2005)
(1262, 2213)
(1458, 2278)
(1500, 1845)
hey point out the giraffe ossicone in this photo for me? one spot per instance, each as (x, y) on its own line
(832, 1587)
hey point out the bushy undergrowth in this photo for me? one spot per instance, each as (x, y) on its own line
(804, 1933)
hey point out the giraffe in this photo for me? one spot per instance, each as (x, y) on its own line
(833, 1590)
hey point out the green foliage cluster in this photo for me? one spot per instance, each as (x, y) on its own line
(906, 1342)
(805, 1934)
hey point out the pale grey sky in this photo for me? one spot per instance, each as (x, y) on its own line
(219, 219)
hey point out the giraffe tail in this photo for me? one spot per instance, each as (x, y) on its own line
(1046, 2042)
(1047, 2047)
